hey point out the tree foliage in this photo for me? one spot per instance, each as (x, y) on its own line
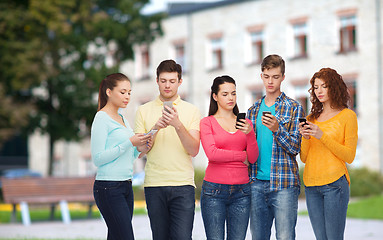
(54, 54)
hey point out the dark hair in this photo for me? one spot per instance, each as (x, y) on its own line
(169, 66)
(218, 81)
(273, 61)
(110, 82)
(337, 92)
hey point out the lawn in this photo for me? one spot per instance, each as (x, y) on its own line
(364, 208)
(42, 213)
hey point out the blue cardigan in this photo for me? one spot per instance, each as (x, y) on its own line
(112, 151)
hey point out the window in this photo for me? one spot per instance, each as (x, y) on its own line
(256, 46)
(351, 82)
(301, 87)
(300, 40)
(180, 57)
(347, 34)
(351, 86)
(145, 62)
(256, 94)
(142, 63)
(304, 101)
(216, 45)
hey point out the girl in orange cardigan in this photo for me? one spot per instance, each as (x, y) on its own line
(329, 142)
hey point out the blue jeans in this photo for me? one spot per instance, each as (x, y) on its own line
(268, 205)
(327, 207)
(171, 211)
(115, 201)
(223, 202)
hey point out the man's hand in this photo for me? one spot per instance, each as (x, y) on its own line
(270, 122)
(171, 117)
(161, 123)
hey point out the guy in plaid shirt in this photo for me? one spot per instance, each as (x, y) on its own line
(274, 177)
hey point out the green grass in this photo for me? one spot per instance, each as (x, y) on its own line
(364, 208)
(43, 214)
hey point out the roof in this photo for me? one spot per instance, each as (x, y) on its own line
(190, 7)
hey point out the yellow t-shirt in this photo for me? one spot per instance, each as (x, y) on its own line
(168, 162)
(326, 158)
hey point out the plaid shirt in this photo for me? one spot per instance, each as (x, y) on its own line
(284, 171)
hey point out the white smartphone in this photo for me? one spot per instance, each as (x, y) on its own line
(169, 104)
(152, 132)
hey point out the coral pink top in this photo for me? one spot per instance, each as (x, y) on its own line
(227, 152)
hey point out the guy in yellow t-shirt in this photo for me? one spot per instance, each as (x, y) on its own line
(169, 174)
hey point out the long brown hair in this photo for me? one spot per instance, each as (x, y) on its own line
(213, 108)
(110, 82)
(337, 92)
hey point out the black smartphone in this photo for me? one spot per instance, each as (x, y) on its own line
(303, 120)
(264, 113)
(240, 116)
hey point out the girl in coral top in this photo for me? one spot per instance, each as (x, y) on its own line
(226, 191)
(329, 142)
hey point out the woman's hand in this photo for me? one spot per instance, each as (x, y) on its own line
(244, 126)
(246, 162)
(310, 129)
(314, 130)
(304, 130)
(140, 139)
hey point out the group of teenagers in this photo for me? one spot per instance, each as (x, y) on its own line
(252, 170)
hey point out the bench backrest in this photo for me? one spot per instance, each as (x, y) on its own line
(28, 189)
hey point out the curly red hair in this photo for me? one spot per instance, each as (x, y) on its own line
(337, 92)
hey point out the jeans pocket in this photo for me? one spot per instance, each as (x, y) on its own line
(246, 190)
(106, 185)
(209, 189)
(338, 184)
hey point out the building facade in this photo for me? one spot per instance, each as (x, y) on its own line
(232, 37)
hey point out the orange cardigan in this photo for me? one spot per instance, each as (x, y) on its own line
(326, 158)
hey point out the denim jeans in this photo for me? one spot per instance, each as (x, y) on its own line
(171, 211)
(327, 207)
(115, 201)
(223, 202)
(268, 205)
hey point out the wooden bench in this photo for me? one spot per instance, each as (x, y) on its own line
(50, 190)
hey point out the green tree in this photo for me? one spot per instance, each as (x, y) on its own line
(56, 51)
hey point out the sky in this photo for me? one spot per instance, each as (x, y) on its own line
(160, 5)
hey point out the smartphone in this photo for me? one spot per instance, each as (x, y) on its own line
(301, 119)
(169, 104)
(240, 116)
(264, 113)
(151, 132)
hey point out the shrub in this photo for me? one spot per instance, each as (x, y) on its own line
(302, 194)
(199, 174)
(365, 182)
(138, 192)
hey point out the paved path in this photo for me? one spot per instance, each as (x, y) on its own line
(356, 229)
